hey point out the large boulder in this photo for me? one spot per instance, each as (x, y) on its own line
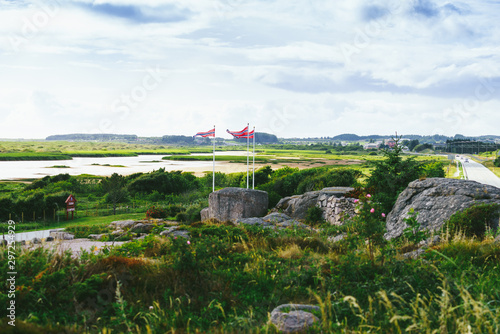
(293, 318)
(297, 206)
(436, 200)
(229, 204)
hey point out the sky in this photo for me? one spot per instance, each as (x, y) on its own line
(293, 68)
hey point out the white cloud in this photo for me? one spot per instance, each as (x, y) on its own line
(281, 65)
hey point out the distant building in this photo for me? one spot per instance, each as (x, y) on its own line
(371, 146)
(390, 142)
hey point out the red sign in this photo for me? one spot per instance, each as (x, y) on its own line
(70, 205)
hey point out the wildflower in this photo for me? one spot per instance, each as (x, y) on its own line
(175, 238)
(383, 215)
(189, 242)
(368, 195)
(356, 200)
(372, 210)
(151, 307)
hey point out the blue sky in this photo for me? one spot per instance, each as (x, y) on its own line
(302, 68)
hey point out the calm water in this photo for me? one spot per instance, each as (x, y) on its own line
(12, 170)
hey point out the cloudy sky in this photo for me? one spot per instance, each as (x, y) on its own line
(295, 68)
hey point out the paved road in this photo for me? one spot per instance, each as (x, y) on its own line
(477, 172)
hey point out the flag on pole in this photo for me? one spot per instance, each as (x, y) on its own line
(239, 134)
(243, 134)
(209, 133)
(249, 135)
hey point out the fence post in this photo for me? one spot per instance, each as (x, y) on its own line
(22, 217)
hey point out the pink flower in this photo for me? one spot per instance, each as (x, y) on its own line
(383, 215)
(189, 242)
(368, 195)
(356, 200)
(372, 210)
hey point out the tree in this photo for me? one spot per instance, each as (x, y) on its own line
(391, 176)
(114, 187)
(412, 144)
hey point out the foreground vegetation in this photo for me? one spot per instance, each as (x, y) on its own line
(227, 278)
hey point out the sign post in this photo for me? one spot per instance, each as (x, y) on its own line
(70, 206)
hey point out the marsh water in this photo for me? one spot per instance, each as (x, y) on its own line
(15, 170)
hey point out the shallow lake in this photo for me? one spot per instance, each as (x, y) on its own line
(13, 170)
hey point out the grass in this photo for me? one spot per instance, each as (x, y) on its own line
(20, 156)
(63, 223)
(228, 279)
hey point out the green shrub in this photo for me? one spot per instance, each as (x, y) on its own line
(475, 221)
(413, 232)
(156, 212)
(392, 175)
(314, 215)
(83, 231)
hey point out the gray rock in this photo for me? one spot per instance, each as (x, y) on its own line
(180, 233)
(415, 254)
(49, 239)
(338, 238)
(36, 241)
(233, 203)
(292, 223)
(337, 210)
(276, 217)
(122, 224)
(253, 221)
(432, 241)
(97, 236)
(296, 320)
(297, 206)
(58, 235)
(142, 228)
(205, 214)
(436, 200)
(169, 230)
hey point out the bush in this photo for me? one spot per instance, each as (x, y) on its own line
(433, 169)
(156, 212)
(392, 175)
(475, 221)
(314, 215)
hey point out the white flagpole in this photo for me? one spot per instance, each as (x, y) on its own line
(253, 168)
(213, 171)
(248, 154)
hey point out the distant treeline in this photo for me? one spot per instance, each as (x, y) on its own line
(93, 137)
(260, 138)
(422, 139)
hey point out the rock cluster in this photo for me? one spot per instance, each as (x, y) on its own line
(273, 220)
(142, 228)
(332, 200)
(436, 200)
